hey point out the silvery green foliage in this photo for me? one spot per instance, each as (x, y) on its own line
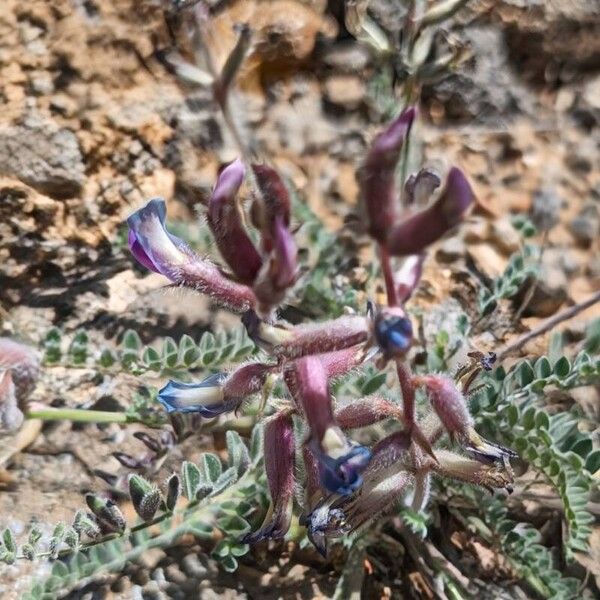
(132, 356)
(522, 267)
(218, 497)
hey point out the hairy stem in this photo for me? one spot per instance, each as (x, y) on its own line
(388, 276)
(408, 392)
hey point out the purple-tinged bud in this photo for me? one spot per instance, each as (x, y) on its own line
(408, 277)
(393, 331)
(279, 271)
(413, 234)
(279, 466)
(225, 222)
(367, 411)
(378, 179)
(341, 362)
(449, 404)
(418, 188)
(303, 340)
(274, 204)
(217, 394)
(464, 469)
(341, 462)
(155, 248)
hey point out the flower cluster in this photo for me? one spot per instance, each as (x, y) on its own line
(346, 484)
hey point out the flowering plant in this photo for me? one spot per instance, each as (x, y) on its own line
(346, 484)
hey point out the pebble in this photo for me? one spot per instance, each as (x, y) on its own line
(505, 237)
(347, 91)
(193, 567)
(346, 57)
(450, 250)
(586, 225)
(545, 209)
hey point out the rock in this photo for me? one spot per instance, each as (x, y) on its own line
(583, 155)
(347, 91)
(586, 225)
(550, 292)
(346, 57)
(545, 209)
(43, 155)
(505, 237)
(450, 250)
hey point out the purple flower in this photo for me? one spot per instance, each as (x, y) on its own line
(378, 181)
(418, 188)
(340, 461)
(279, 465)
(413, 234)
(225, 222)
(157, 249)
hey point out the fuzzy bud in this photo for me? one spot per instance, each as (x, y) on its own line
(378, 179)
(225, 222)
(449, 404)
(279, 450)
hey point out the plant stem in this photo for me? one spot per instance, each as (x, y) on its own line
(408, 393)
(79, 415)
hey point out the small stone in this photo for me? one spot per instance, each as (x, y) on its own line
(586, 225)
(583, 155)
(173, 573)
(450, 250)
(505, 236)
(545, 209)
(347, 91)
(346, 57)
(41, 83)
(476, 230)
(591, 93)
(193, 567)
(550, 292)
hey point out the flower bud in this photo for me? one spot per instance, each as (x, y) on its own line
(367, 411)
(279, 450)
(464, 469)
(378, 178)
(158, 250)
(449, 404)
(413, 234)
(225, 222)
(108, 515)
(144, 496)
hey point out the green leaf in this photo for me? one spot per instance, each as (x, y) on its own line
(131, 341)
(233, 525)
(229, 564)
(372, 384)
(528, 418)
(8, 539)
(512, 415)
(238, 456)
(543, 368)
(211, 467)
(562, 368)
(583, 447)
(592, 337)
(592, 462)
(151, 358)
(190, 479)
(542, 420)
(170, 353)
(525, 374)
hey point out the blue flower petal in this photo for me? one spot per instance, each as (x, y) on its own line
(343, 475)
(205, 397)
